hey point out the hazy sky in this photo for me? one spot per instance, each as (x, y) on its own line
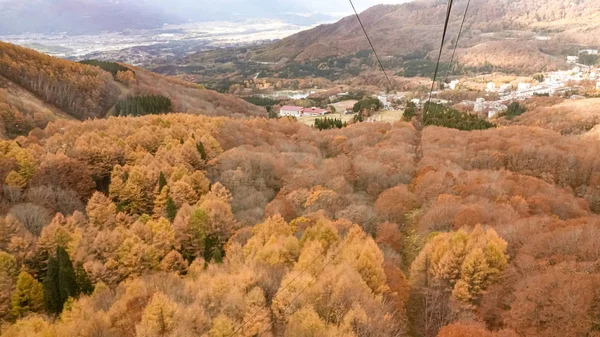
(266, 7)
(90, 16)
(341, 5)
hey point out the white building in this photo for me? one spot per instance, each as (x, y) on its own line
(572, 59)
(289, 110)
(313, 111)
(416, 101)
(505, 88)
(598, 85)
(524, 86)
(297, 111)
(491, 87)
(589, 51)
(384, 101)
(479, 105)
(453, 84)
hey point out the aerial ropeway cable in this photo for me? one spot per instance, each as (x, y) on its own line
(437, 66)
(371, 44)
(457, 41)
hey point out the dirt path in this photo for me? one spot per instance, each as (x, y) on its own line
(124, 94)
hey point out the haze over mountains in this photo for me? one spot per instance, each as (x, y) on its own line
(95, 16)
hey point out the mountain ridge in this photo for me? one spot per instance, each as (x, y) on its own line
(552, 27)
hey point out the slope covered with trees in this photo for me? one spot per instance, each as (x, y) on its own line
(498, 34)
(21, 111)
(36, 88)
(183, 225)
(80, 90)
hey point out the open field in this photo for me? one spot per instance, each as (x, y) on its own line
(381, 116)
(343, 105)
(311, 120)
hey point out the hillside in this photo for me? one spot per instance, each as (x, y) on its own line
(550, 27)
(212, 224)
(569, 117)
(21, 111)
(36, 88)
(192, 98)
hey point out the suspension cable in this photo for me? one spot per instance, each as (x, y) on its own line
(450, 66)
(371, 44)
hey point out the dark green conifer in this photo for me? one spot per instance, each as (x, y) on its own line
(83, 281)
(60, 282)
(51, 292)
(201, 150)
(162, 181)
(171, 209)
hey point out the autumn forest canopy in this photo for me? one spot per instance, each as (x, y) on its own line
(138, 205)
(182, 225)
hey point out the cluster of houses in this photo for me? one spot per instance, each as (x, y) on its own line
(553, 83)
(298, 111)
(575, 58)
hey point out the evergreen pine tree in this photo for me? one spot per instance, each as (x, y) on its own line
(162, 181)
(51, 293)
(28, 297)
(83, 281)
(171, 209)
(67, 281)
(201, 150)
(60, 282)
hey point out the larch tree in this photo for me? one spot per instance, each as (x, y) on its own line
(28, 296)
(8, 275)
(101, 211)
(174, 262)
(306, 323)
(222, 327)
(191, 230)
(461, 262)
(158, 318)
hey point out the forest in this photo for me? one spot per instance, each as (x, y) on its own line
(440, 115)
(183, 225)
(326, 123)
(36, 88)
(80, 90)
(143, 105)
(111, 67)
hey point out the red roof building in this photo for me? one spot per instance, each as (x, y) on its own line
(297, 111)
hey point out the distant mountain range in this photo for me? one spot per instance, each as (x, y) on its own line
(79, 17)
(520, 33)
(76, 16)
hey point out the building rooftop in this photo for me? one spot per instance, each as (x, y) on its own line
(313, 110)
(292, 108)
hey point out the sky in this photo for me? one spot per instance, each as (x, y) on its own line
(93, 16)
(343, 6)
(266, 8)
